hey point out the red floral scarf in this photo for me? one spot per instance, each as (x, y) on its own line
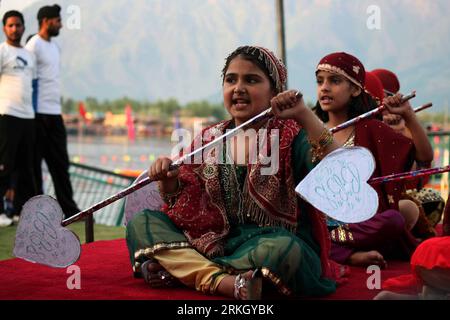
(269, 199)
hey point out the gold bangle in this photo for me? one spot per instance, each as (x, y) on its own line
(324, 140)
(318, 147)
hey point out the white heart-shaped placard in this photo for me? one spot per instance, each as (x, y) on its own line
(41, 238)
(147, 197)
(338, 186)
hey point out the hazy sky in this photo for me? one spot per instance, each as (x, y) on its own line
(14, 4)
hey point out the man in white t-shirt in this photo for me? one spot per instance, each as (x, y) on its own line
(51, 138)
(17, 125)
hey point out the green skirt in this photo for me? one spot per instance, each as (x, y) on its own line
(290, 262)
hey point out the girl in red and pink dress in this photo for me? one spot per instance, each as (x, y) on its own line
(341, 96)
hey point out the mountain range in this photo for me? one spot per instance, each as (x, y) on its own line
(158, 49)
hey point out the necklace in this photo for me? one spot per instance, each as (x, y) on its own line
(350, 139)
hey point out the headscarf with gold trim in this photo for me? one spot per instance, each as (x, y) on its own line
(271, 65)
(345, 65)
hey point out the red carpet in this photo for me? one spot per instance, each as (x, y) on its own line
(106, 274)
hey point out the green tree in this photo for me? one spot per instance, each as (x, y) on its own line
(68, 105)
(92, 105)
(205, 109)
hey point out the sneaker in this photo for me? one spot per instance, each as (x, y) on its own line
(5, 221)
(16, 218)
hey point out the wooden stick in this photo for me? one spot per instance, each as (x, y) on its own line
(409, 175)
(366, 115)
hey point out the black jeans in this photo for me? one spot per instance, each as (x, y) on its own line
(17, 143)
(51, 146)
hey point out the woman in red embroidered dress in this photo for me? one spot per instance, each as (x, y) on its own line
(229, 223)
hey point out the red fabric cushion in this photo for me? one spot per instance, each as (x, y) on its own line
(106, 274)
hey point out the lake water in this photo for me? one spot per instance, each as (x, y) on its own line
(117, 152)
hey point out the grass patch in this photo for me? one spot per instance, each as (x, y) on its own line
(101, 232)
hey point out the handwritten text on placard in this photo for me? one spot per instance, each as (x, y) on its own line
(338, 187)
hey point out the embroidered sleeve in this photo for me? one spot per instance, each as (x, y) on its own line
(171, 198)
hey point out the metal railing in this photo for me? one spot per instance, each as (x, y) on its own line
(92, 185)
